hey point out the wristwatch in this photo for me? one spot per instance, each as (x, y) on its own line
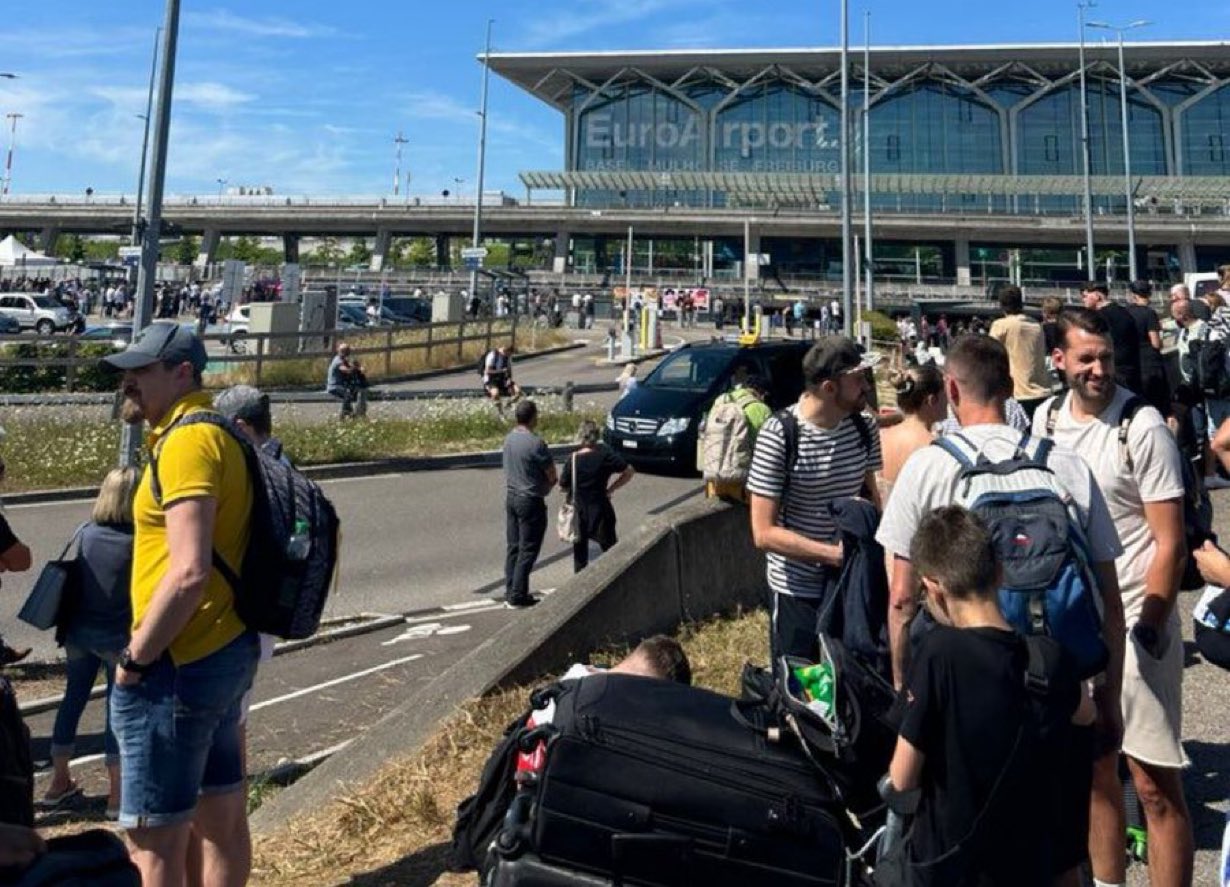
(127, 663)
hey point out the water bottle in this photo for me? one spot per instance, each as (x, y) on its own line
(300, 542)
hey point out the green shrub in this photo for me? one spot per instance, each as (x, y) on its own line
(882, 326)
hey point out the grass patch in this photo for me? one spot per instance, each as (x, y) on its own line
(67, 450)
(403, 816)
(370, 348)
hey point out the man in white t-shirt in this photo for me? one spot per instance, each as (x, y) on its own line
(836, 455)
(1144, 491)
(977, 381)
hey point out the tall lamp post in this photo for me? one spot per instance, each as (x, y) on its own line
(847, 234)
(868, 266)
(1123, 119)
(1090, 261)
(399, 141)
(13, 117)
(130, 438)
(147, 116)
(482, 160)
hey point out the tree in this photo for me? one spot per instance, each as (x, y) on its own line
(187, 250)
(422, 253)
(327, 253)
(102, 250)
(71, 247)
(359, 253)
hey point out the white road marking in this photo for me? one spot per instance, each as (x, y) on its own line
(425, 630)
(333, 683)
(464, 605)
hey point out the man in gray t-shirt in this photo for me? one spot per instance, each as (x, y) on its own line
(529, 474)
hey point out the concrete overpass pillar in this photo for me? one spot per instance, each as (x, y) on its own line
(209, 248)
(381, 250)
(1187, 257)
(290, 249)
(47, 238)
(706, 259)
(563, 252)
(443, 259)
(963, 263)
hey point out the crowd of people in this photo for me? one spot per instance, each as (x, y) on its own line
(981, 759)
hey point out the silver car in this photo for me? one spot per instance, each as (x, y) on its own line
(41, 313)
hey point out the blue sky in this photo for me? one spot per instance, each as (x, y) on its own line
(306, 97)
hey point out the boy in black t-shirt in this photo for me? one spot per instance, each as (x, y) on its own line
(975, 740)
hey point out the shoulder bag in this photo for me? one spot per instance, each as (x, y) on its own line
(55, 587)
(566, 517)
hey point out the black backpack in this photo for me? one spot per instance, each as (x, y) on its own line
(16, 762)
(1209, 367)
(480, 817)
(289, 566)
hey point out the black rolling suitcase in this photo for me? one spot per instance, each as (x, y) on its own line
(648, 782)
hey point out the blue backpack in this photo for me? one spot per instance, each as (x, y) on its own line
(1048, 583)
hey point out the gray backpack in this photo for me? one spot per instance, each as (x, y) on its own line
(724, 452)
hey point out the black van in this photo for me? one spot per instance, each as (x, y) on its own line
(656, 423)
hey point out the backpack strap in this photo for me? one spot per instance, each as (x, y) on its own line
(1130, 408)
(1036, 679)
(1052, 413)
(209, 417)
(861, 425)
(947, 443)
(790, 437)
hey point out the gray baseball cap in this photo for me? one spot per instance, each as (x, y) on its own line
(242, 402)
(165, 341)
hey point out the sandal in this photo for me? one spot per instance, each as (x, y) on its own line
(50, 800)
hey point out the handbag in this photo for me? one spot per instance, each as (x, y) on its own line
(566, 517)
(56, 586)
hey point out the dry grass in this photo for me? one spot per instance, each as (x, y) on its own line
(393, 830)
(413, 355)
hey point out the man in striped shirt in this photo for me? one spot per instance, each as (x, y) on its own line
(835, 454)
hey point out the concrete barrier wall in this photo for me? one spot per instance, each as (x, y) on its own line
(693, 561)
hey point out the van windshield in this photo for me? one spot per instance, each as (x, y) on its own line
(688, 371)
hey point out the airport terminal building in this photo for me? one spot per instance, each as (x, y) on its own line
(975, 152)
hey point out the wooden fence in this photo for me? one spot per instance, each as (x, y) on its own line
(381, 349)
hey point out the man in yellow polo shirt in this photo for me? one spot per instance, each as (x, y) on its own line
(178, 685)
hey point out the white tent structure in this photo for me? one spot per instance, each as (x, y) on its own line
(15, 254)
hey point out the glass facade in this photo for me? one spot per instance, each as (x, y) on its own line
(1015, 123)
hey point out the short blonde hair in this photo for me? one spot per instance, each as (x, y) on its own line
(114, 502)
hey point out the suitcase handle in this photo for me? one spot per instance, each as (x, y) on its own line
(626, 848)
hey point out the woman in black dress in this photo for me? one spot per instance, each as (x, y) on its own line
(590, 491)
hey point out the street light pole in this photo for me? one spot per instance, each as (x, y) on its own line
(1090, 261)
(868, 267)
(143, 304)
(847, 253)
(399, 141)
(149, 107)
(1127, 157)
(13, 117)
(482, 160)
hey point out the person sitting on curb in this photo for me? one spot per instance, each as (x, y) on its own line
(498, 376)
(14, 558)
(347, 382)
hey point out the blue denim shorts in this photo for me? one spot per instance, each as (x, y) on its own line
(178, 734)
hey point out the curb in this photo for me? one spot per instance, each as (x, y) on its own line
(374, 468)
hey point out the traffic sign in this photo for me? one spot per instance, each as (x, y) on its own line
(474, 252)
(471, 263)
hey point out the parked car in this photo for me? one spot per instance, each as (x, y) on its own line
(239, 320)
(118, 334)
(43, 314)
(417, 309)
(388, 317)
(656, 423)
(351, 316)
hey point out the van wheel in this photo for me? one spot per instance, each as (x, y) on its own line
(45, 327)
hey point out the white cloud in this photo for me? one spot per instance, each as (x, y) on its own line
(557, 27)
(225, 20)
